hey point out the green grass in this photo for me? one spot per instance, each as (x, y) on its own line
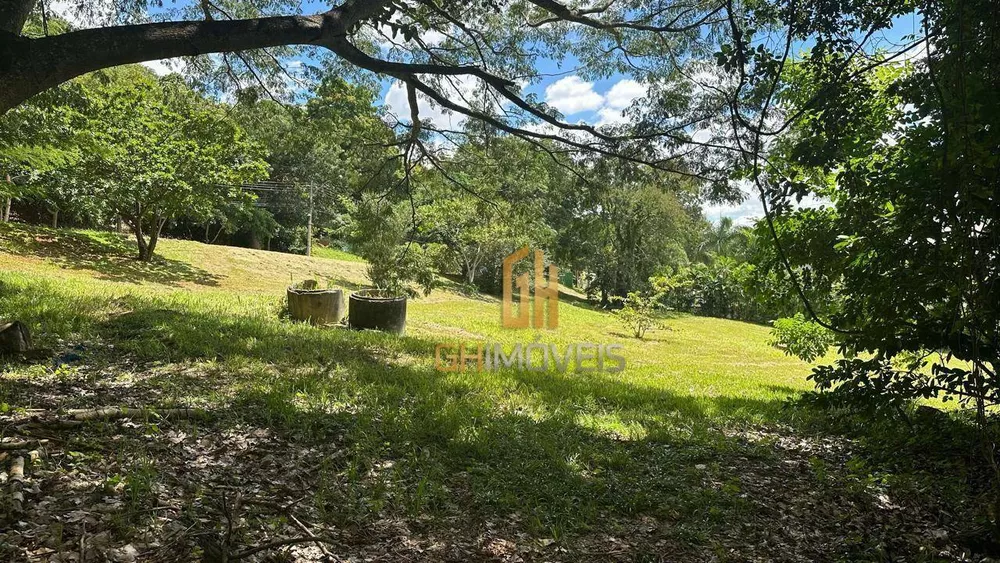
(331, 253)
(554, 454)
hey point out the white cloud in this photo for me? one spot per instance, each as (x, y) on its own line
(458, 90)
(623, 93)
(543, 128)
(433, 37)
(914, 55)
(742, 214)
(750, 209)
(83, 16)
(609, 116)
(702, 136)
(572, 95)
(619, 97)
(163, 67)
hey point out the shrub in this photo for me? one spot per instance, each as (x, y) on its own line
(637, 313)
(801, 337)
(379, 231)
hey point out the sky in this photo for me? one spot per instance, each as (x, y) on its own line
(598, 102)
(601, 102)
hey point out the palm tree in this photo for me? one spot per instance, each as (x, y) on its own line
(722, 237)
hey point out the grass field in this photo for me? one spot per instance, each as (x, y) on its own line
(692, 453)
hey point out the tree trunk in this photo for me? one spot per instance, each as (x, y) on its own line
(55, 218)
(141, 241)
(135, 224)
(146, 252)
(13, 14)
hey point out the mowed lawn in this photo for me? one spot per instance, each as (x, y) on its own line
(689, 454)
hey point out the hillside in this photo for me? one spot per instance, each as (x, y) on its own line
(704, 358)
(679, 454)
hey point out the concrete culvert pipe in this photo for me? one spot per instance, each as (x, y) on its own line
(317, 306)
(372, 309)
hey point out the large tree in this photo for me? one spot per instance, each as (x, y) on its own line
(323, 150)
(474, 59)
(709, 66)
(907, 157)
(501, 206)
(621, 225)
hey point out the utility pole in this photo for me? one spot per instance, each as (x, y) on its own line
(309, 227)
(6, 204)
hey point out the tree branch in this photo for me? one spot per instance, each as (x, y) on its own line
(13, 14)
(564, 13)
(29, 66)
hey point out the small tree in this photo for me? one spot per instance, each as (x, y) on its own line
(379, 232)
(638, 313)
(162, 151)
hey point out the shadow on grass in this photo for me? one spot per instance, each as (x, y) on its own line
(457, 283)
(110, 255)
(549, 453)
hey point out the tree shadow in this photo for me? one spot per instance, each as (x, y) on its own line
(650, 336)
(109, 255)
(557, 470)
(553, 454)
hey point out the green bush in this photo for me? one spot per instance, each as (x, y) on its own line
(637, 313)
(380, 231)
(724, 288)
(801, 337)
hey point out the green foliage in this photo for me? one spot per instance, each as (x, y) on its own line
(333, 146)
(491, 203)
(146, 150)
(638, 313)
(622, 225)
(44, 134)
(724, 239)
(910, 240)
(379, 232)
(800, 337)
(722, 288)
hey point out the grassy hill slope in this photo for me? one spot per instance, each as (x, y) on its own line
(711, 361)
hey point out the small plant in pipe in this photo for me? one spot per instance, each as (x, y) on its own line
(379, 232)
